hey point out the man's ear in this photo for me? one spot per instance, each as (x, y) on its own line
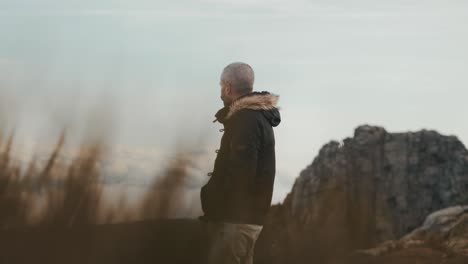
(228, 88)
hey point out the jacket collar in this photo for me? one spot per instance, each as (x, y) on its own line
(254, 100)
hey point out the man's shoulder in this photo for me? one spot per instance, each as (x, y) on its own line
(246, 115)
(245, 119)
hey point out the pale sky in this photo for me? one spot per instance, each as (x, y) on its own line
(151, 69)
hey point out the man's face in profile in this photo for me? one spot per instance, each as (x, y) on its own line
(224, 93)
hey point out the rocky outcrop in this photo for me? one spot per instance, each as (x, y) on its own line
(448, 227)
(444, 234)
(373, 187)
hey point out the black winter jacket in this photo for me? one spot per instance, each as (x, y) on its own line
(241, 185)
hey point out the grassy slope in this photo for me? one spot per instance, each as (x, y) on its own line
(163, 241)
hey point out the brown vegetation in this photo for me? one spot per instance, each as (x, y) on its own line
(69, 195)
(56, 213)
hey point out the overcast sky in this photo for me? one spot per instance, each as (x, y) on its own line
(151, 69)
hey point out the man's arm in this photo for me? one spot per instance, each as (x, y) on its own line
(243, 156)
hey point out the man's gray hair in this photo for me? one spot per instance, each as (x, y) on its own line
(240, 75)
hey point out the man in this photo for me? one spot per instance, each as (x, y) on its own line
(238, 195)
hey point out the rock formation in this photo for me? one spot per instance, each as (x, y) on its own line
(444, 235)
(373, 187)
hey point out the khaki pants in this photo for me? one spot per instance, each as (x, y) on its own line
(231, 243)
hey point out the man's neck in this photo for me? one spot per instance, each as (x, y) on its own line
(235, 97)
(238, 96)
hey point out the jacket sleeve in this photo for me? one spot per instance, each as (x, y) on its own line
(242, 159)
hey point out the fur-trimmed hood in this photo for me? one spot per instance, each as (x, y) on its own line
(255, 100)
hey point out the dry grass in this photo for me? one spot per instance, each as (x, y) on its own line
(166, 192)
(67, 195)
(56, 213)
(14, 198)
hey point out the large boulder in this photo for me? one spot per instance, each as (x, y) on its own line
(373, 187)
